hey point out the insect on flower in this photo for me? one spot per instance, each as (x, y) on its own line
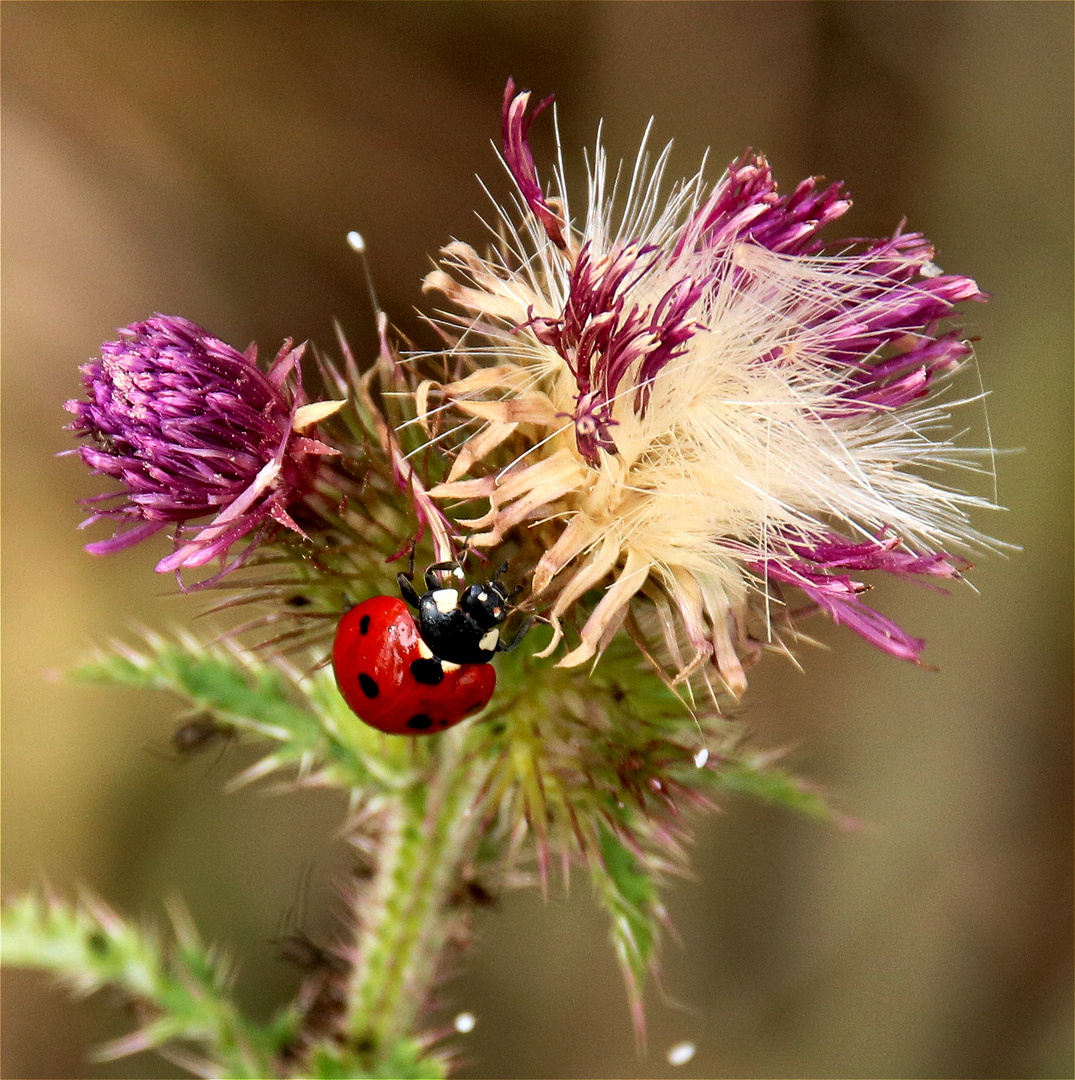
(199, 733)
(190, 427)
(692, 403)
(408, 677)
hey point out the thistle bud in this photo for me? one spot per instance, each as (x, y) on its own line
(190, 427)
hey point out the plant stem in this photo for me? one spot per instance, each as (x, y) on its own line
(429, 830)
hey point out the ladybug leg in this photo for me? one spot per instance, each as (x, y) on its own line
(407, 590)
(522, 632)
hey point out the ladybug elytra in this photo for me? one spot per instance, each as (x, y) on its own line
(411, 677)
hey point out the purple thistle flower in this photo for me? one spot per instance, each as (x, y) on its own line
(839, 595)
(601, 334)
(704, 402)
(601, 339)
(190, 427)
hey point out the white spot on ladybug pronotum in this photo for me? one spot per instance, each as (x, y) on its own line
(424, 650)
(447, 600)
(449, 666)
(483, 596)
(488, 641)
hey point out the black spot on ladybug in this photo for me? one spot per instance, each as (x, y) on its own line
(369, 686)
(420, 722)
(364, 625)
(427, 671)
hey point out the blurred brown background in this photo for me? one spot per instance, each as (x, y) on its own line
(208, 160)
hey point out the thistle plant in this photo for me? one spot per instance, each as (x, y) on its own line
(666, 432)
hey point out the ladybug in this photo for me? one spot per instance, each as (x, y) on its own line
(408, 676)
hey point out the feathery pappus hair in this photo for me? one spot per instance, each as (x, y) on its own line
(687, 406)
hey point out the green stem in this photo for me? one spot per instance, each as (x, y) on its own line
(429, 831)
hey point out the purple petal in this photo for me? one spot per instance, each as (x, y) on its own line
(877, 629)
(515, 126)
(123, 540)
(838, 596)
(745, 206)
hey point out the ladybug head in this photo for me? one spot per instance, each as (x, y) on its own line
(486, 604)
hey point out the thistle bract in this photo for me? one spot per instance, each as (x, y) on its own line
(189, 427)
(691, 403)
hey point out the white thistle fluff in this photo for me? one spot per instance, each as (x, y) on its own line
(779, 422)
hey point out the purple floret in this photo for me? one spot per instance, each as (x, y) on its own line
(873, 327)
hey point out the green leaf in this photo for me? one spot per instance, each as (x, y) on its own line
(182, 989)
(753, 775)
(220, 677)
(628, 892)
(303, 715)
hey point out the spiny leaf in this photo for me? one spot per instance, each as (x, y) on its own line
(182, 989)
(628, 892)
(312, 727)
(753, 775)
(217, 677)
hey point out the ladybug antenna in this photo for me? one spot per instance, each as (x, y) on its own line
(464, 551)
(524, 629)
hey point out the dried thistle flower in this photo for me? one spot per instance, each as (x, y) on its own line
(189, 426)
(697, 402)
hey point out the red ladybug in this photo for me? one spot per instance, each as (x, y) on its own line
(411, 678)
